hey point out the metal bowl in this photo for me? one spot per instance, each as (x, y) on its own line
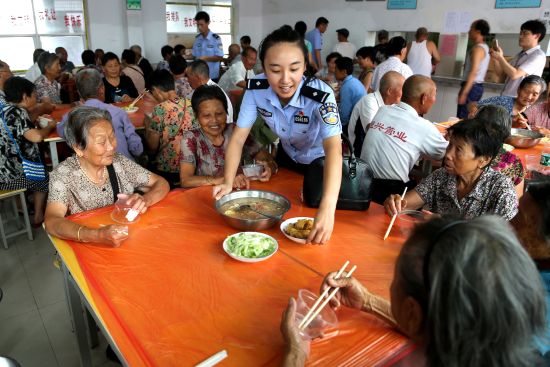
(523, 138)
(253, 224)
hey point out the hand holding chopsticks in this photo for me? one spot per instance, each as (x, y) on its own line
(394, 216)
(138, 98)
(323, 300)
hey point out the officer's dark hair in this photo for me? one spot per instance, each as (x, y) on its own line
(395, 46)
(301, 28)
(367, 52)
(535, 26)
(178, 48)
(88, 57)
(46, 60)
(108, 57)
(166, 50)
(246, 40)
(200, 68)
(345, 63)
(36, 54)
(16, 87)
(247, 51)
(129, 56)
(177, 64)
(321, 20)
(162, 79)
(207, 93)
(482, 26)
(332, 55)
(202, 15)
(285, 34)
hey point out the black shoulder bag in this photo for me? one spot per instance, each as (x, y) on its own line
(114, 181)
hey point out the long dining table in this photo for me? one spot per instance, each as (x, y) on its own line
(171, 296)
(137, 118)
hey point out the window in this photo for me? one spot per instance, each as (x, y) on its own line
(29, 24)
(182, 28)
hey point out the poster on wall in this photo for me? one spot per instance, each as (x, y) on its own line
(504, 4)
(133, 4)
(401, 4)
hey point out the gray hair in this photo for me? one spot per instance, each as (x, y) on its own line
(481, 295)
(533, 79)
(199, 68)
(497, 115)
(46, 60)
(80, 121)
(88, 82)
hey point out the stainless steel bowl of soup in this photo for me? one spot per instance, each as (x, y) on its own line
(241, 209)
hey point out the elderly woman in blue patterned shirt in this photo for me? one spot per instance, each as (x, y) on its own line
(466, 185)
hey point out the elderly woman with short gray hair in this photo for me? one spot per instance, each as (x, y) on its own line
(83, 181)
(48, 88)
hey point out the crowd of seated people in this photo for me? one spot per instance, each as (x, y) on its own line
(192, 137)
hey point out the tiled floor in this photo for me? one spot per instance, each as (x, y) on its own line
(35, 327)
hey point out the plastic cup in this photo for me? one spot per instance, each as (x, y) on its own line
(43, 122)
(252, 171)
(123, 212)
(532, 164)
(408, 219)
(326, 319)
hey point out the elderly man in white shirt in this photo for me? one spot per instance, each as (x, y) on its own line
(237, 75)
(397, 137)
(396, 51)
(391, 86)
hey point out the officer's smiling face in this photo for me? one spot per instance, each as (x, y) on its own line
(284, 66)
(212, 117)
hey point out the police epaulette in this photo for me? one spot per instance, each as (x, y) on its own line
(215, 35)
(313, 93)
(257, 84)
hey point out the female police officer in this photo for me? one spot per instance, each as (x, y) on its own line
(304, 117)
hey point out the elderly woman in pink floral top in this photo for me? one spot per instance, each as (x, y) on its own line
(170, 119)
(202, 158)
(538, 116)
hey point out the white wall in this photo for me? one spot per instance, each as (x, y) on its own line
(249, 19)
(360, 17)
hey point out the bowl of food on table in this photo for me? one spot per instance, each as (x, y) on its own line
(252, 210)
(130, 109)
(250, 247)
(523, 138)
(297, 229)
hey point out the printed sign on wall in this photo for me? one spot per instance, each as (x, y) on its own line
(401, 4)
(503, 4)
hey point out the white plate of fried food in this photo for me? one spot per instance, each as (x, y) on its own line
(297, 229)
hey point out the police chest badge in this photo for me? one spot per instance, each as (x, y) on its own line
(329, 113)
(299, 118)
(264, 113)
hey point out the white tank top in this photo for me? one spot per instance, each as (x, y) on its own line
(420, 59)
(483, 65)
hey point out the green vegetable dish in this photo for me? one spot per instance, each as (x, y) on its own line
(250, 245)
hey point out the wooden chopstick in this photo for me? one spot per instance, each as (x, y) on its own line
(138, 98)
(213, 360)
(327, 300)
(312, 309)
(394, 216)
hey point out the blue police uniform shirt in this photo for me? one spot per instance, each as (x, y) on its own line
(302, 124)
(316, 38)
(211, 45)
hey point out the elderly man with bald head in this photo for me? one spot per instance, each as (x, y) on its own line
(364, 111)
(398, 136)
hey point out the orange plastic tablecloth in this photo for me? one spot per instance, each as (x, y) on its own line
(170, 296)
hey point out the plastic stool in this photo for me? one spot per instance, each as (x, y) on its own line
(12, 194)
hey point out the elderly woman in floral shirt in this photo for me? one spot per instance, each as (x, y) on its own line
(202, 157)
(48, 88)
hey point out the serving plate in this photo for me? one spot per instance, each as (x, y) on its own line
(248, 259)
(291, 221)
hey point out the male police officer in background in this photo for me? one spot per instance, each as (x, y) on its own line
(208, 46)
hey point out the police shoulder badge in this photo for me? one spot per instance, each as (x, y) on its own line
(329, 113)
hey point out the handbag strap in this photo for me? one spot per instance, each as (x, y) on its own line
(114, 181)
(11, 136)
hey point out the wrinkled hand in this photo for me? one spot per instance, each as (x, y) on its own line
(351, 293)
(113, 234)
(322, 227)
(293, 341)
(519, 121)
(126, 98)
(266, 174)
(241, 182)
(220, 190)
(394, 204)
(136, 200)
